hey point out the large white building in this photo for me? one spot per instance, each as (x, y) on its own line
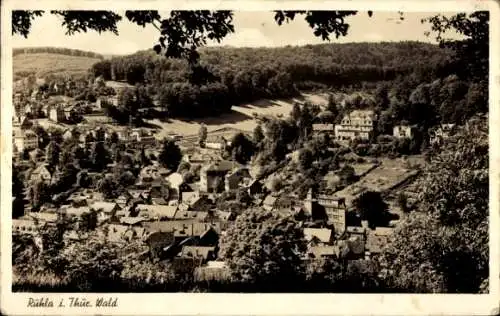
(357, 124)
(24, 139)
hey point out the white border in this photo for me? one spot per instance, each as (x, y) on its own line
(262, 304)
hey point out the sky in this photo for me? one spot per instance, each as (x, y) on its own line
(252, 29)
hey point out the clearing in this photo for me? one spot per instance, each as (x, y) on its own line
(241, 117)
(43, 64)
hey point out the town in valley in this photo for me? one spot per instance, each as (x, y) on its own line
(122, 183)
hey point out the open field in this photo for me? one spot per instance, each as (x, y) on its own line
(390, 174)
(46, 63)
(241, 116)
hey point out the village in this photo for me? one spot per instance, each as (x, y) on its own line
(180, 219)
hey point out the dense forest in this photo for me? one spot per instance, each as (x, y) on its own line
(227, 76)
(56, 50)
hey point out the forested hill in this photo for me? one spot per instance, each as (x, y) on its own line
(325, 63)
(234, 75)
(56, 50)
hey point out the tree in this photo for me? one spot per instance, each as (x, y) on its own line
(258, 134)
(403, 202)
(265, 248)
(306, 159)
(82, 179)
(472, 53)
(242, 148)
(108, 187)
(39, 194)
(450, 225)
(202, 135)
(99, 156)
(53, 152)
(371, 207)
(170, 155)
(17, 192)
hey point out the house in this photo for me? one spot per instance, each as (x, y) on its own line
(106, 209)
(56, 114)
(41, 173)
(43, 217)
(212, 176)
(234, 179)
(142, 137)
(321, 252)
(323, 129)
(73, 212)
(24, 140)
(202, 252)
(355, 231)
(327, 207)
(216, 142)
(438, 135)
(318, 236)
(196, 202)
(156, 212)
(404, 131)
(124, 233)
(269, 202)
(127, 220)
(357, 124)
(191, 215)
(24, 226)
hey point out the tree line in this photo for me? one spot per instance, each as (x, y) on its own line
(56, 50)
(228, 76)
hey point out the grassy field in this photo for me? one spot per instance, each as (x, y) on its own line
(385, 177)
(241, 116)
(45, 63)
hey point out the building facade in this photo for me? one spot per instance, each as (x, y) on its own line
(357, 124)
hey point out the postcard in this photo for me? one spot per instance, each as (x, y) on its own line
(250, 157)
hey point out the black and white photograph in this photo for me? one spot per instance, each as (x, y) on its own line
(231, 151)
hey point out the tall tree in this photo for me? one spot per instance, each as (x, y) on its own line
(265, 248)
(202, 135)
(170, 155)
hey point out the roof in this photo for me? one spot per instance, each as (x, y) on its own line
(216, 264)
(355, 230)
(190, 197)
(222, 166)
(106, 207)
(323, 127)
(382, 231)
(270, 200)
(117, 232)
(131, 220)
(196, 251)
(44, 216)
(191, 215)
(161, 211)
(323, 234)
(320, 251)
(75, 211)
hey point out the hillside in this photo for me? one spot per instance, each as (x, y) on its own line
(51, 63)
(233, 76)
